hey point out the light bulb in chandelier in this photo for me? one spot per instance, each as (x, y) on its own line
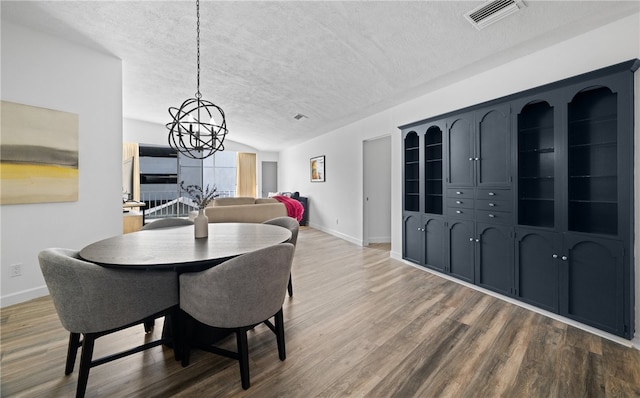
(191, 122)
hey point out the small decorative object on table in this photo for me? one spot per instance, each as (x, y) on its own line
(200, 198)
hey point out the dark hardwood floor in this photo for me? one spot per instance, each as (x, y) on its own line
(359, 324)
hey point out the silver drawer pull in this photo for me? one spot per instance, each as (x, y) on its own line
(492, 205)
(565, 258)
(470, 239)
(492, 215)
(470, 158)
(458, 193)
(459, 211)
(492, 194)
(458, 202)
(476, 159)
(555, 256)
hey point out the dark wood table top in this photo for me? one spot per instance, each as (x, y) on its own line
(176, 247)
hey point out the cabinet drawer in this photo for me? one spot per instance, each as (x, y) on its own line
(460, 193)
(494, 205)
(464, 203)
(496, 217)
(467, 214)
(496, 194)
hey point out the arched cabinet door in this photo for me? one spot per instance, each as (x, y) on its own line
(494, 254)
(492, 157)
(591, 282)
(537, 260)
(413, 237)
(434, 253)
(460, 150)
(460, 249)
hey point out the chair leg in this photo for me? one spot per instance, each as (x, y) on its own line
(85, 364)
(72, 351)
(243, 356)
(186, 332)
(290, 287)
(279, 326)
(149, 324)
(175, 320)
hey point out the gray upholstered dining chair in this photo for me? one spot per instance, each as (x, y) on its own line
(166, 223)
(93, 301)
(238, 294)
(292, 225)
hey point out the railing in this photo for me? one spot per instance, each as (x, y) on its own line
(165, 204)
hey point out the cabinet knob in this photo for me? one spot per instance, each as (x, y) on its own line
(476, 159)
(458, 202)
(459, 211)
(470, 158)
(477, 240)
(555, 256)
(470, 239)
(458, 193)
(422, 229)
(565, 258)
(492, 194)
(492, 215)
(492, 205)
(419, 229)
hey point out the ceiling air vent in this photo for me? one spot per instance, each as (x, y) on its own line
(492, 11)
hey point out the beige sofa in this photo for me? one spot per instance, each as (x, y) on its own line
(244, 209)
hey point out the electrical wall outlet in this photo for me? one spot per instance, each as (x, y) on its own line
(16, 270)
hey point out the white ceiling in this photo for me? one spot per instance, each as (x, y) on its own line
(333, 61)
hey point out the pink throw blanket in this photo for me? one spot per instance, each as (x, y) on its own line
(294, 208)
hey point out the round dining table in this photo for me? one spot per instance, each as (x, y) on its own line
(176, 248)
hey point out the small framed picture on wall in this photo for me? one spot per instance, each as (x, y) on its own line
(317, 169)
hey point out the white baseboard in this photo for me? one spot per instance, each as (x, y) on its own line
(337, 234)
(25, 295)
(379, 239)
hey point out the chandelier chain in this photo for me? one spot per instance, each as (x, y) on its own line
(198, 94)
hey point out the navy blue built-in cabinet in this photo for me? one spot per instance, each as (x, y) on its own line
(531, 196)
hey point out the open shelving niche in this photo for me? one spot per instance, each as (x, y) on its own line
(536, 165)
(592, 162)
(412, 172)
(433, 170)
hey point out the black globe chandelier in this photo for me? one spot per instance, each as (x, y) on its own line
(198, 127)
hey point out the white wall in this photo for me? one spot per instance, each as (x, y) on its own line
(45, 72)
(341, 196)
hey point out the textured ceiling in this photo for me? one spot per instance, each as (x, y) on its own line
(335, 62)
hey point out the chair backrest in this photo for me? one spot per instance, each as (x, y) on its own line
(239, 292)
(287, 222)
(90, 298)
(166, 223)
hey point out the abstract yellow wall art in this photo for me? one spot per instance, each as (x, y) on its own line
(38, 155)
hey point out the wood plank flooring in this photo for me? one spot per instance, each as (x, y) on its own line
(359, 324)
